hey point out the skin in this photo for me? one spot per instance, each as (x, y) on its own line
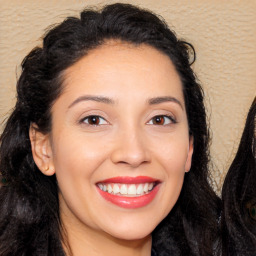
(127, 141)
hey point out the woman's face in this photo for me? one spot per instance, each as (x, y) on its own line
(119, 143)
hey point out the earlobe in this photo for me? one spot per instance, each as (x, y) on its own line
(190, 154)
(41, 150)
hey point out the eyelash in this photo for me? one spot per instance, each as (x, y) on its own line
(163, 118)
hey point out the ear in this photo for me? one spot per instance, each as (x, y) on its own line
(190, 153)
(41, 150)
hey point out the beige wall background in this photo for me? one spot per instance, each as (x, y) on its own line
(222, 32)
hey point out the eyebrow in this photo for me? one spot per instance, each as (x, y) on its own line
(92, 98)
(106, 100)
(159, 100)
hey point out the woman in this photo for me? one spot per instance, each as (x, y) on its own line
(106, 151)
(238, 194)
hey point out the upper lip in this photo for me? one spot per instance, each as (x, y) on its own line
(129, 180)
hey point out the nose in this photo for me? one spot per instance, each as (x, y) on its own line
(130, 149)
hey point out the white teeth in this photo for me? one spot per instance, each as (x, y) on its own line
(127, 189)
(101, 186)
(150, 186)
(132, 190)
(109, 188)
(146, 188)
(139, 189)
(116, 189)
(123, 189)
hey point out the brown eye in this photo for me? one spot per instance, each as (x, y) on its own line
(94, 120)
(158, 120)
(162, 120)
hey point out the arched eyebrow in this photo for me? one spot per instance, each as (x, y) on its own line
(106, 100)
(92, 98)
(159, 100)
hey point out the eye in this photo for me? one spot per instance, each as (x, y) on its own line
(162, 120)
(94, 120)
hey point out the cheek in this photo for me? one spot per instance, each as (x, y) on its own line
(77, 161)
(174, 161)
(172, 154)
(173, 158)
(77, 156)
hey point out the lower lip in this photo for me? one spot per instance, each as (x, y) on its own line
(130, 202)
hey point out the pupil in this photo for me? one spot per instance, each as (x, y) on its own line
(94, 120)
(159, 120)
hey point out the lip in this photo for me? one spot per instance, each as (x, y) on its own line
(129, 180)
(130, 202)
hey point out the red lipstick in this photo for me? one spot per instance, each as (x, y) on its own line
(129, 180)
(129, 201)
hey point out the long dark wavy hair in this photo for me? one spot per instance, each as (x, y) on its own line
(239, 195)
(30, 221)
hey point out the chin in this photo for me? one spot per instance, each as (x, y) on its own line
(133, 236)
(132, 231)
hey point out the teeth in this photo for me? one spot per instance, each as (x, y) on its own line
(123, 190)
(132, 190)
(146, 188)
(127, 189)
(109, 188)
(116, 189)
(101, 186)
(139, 189)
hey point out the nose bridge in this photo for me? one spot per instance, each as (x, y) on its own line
(131, 146)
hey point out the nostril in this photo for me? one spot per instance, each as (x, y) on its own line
(130, 149)
(126, 158)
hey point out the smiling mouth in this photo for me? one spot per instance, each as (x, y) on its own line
(127, 190)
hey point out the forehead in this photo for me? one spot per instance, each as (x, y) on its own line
(117, 66)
